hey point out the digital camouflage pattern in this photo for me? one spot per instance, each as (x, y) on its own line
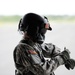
(30, 57)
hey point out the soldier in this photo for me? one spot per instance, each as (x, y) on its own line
(31, 52)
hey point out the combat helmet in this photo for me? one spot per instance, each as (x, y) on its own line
(35, 26)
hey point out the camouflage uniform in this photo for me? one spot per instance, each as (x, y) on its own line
(30, 58)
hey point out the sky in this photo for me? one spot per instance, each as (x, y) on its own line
(51, 7)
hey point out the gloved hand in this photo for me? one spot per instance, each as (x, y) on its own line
(68, 62)
(65, 54)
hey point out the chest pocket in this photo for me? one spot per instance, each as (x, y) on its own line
(35, 59)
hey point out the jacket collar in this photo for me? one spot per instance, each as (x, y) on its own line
(28, 41)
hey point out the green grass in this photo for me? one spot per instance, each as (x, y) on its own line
(60, 19)
(9, 19)
(52, 18)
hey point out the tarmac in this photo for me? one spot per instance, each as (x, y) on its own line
(62, 35)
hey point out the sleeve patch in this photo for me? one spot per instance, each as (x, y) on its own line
(32, 52)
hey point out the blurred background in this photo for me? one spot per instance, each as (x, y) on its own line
(61, 15)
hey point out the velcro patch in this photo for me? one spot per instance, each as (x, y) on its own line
(32, 52)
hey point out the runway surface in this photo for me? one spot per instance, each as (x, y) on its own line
(62, 35)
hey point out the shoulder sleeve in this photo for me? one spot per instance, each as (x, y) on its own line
(50, 50)
(19, 58)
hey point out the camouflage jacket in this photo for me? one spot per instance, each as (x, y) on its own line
(30, 56)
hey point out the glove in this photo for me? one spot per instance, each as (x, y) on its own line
(65, 54)
(70, 64)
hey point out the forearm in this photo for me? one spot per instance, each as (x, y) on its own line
(50, 66)
(57, 61)
(50, 50)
